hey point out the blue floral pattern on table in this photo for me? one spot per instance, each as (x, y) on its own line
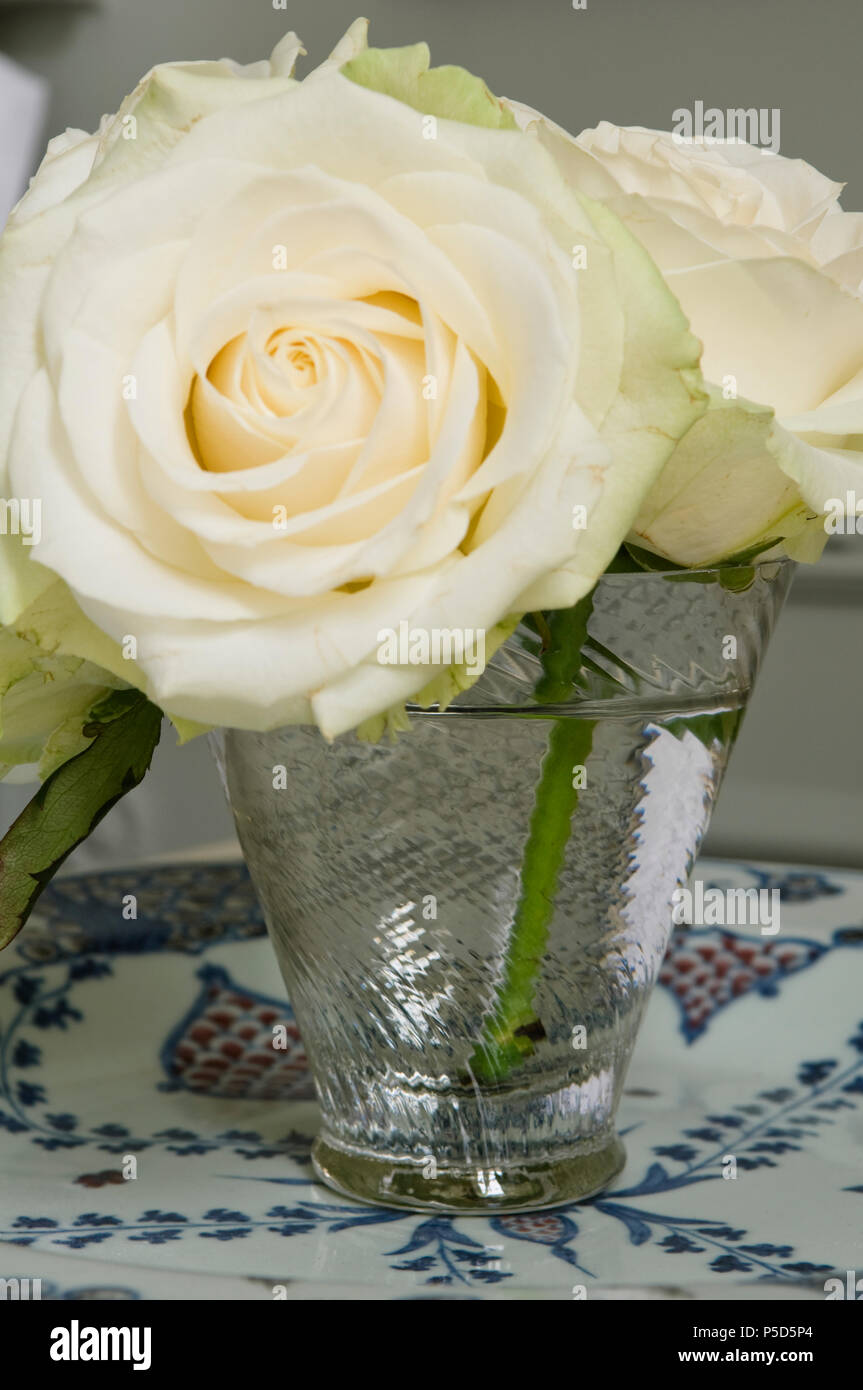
(119, 1045)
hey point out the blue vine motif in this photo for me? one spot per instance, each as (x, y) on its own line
(775, 1125)
(436, 1249)
(80, 940)
(45, 1007)
(759, 1133)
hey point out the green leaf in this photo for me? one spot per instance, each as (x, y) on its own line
(623, 563)
(650, 561)
(721, 727)
(125, 729)
(737, 579)
(752, 552)
(734, 574)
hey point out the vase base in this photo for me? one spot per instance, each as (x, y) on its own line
(529, 1187)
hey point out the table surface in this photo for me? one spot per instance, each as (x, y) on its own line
(151, 1148)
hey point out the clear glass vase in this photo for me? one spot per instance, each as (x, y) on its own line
(470, 918)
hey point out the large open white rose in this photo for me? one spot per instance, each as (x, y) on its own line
(288, 364)
(768, 268)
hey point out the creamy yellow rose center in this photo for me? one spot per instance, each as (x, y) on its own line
(346, 399)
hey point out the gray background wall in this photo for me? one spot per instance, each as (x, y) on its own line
(794, 789)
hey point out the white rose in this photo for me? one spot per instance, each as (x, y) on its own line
(287, 366)
(768, 269)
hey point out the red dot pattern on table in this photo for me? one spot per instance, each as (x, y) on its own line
(227, 1050)
(706, 970)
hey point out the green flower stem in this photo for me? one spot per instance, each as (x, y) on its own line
(512, 1027)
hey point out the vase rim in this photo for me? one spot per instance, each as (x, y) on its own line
(683, 571)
